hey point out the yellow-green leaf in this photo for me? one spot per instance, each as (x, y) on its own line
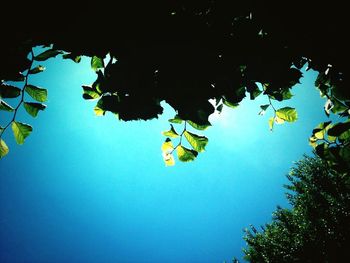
(90, 93)
(4, 106)
(39, 94)
(96, 63)
(21, 131)
(287, 113)
(3, 148)
(176, 119)
(33, 108)
(199, 126)
(171, 133)
(167, 146)
(197, 142)
(271, 122)
(98, 111)
(186, 155)
(168, 159)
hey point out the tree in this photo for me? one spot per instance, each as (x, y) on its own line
(184, 54)
(316, 228)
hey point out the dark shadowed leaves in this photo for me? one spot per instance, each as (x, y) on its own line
(47, 54)
(73, 57)
(5, 107)
(9, 91)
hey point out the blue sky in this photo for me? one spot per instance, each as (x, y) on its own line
(84, 188)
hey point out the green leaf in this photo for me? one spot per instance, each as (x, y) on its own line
(37, 69)
(171, 133)
(39, 94)
(9, 91)
(186, 155)
(21, 131)
(4, 106)
(197, 142)
(264, 107)
(199, 126)
(271, 122)
(338, 106)
(176, 119)
(73, 57)
(33, 108)
(90, 93)
(3, 148)
(286, 94)
(96, 63)
(47, 54)
(287, 113)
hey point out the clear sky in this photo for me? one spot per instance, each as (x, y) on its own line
(84, 188)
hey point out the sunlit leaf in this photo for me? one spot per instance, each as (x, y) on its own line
(4, 106)
(3, 148)
(21, 131)
(90, 93)
(171, 133)
(98, 111)
(176, 119)
(313, 141)
(168, 159)
(279, 120)
(167, 146)
(47, 54)
(33, 108)
(9, 91)
(197, 142)
(96, 63)
(287, 113)
(271, 122)
(37, 69)
(199, 126)
(186, 155)
(39, 94)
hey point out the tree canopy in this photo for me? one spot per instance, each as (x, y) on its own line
(316, 228)
(184, 54)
